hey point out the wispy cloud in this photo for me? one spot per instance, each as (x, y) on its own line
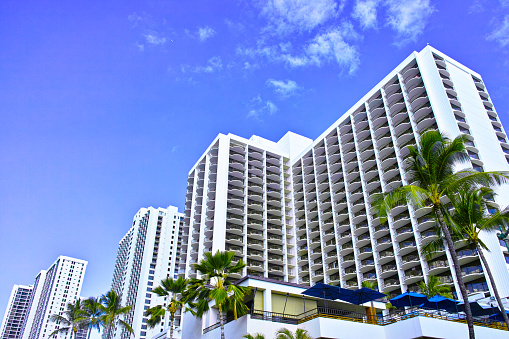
(287, 16)
(259, 107)
(284, 88)
(333, 46)
(213, 64)
(135, 18)
(408, 18)
(175, 148)
(154, 39)
(501, 32)
(365, 11)
(205, 32)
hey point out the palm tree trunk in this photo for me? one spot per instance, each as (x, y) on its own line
(221, 321)
(172, 318)
(492, 281)
(89, 331)
(457, 270)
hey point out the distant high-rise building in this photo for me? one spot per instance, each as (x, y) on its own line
(300, 210)
(53, 289)
(16, 312)
(147, 254)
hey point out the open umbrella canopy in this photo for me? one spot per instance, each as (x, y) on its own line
(321, 290)
(408, 299)
(442, 303)
(361, 296)
(498, 315)
(477, 310)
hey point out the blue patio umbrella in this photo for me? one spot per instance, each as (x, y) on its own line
(408, 299)
(361, 296)
(442, 303)
(498, 315)
(324, 291)
(477, 310)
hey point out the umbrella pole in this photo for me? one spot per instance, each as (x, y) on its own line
(304, 302)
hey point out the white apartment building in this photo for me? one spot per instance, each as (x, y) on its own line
(16, 312)
(147, 254)
(299, 210)
(53, 289)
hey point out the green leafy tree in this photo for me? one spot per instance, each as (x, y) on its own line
(254, 336)
(471, 217)
(113, 311)
(71, 320)
(434, 287)
(215, 285)
(173, 289)
(284, 333)
(94, 312)
(432, 171)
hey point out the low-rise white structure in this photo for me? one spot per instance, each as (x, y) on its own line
(277, 304)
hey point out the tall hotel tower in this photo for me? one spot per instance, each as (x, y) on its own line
(15, 314)
(147, 254)
(299, 210)
(53, 289)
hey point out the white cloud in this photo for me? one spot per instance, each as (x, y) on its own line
(153, 39)
(408, 18)
(287, 16)
(333, 46)
(213, 64)
(365, 12)
(141, 47)
(205, 32)
(284, 88)
(259, 107)
(135, 19)
(501, 32)
(504, 3)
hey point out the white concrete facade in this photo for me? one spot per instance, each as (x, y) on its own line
(270, 297)
(147, 254)
(299, 210)
(16, 312)
(53, 289)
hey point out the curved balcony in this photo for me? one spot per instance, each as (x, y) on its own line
(383, 243)
(385, 256)
(438, 266)
(444, 73)
(379, 122)
(387, 270)
(410, 73)
(375, 103)
(349, 272)
(467, 255)
(396, 97)
(403, 233)
(413, 82)
(376, 113)
(407, 246)
(413, 276)
(393, 88)
(470, 273)
(364, 252)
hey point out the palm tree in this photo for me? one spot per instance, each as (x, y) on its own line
(113, 310)
(284, 333)
(175, 289)
(215, 285)
(73, 320)
(470, 217)
(434, 287)
(372, 285)
(254, 336)
(431, 168)
(94, 313)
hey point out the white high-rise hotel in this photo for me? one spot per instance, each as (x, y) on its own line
(147, 254)
(30, 307)
(15, 314)
(299, 210)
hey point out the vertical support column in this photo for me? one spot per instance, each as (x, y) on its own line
(267, 300)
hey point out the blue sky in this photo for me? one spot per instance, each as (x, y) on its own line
(106, 105)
